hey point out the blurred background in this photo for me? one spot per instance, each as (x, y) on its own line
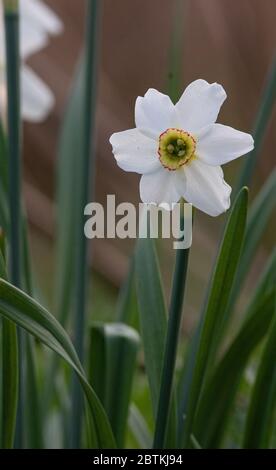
(231, 43)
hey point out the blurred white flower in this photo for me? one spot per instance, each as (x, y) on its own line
(178, 149)
(37, 23)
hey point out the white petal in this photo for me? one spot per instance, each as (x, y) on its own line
(37, 98)
(32, 39)
(37, 23)
(206, 188)
(199, 105)
(135, 152)
(41, 15)
(154, 113)
(162, 186)
(218, 144)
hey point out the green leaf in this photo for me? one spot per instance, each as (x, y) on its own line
(176, 55)
(262, 120)
(33, 406)
(172, 337)
(217, 301)
(34, 424)
(152, 309)
(139, 428)
(67, 218)
(113, 351)
(3, 159)
(9, 381)
(153, 322)
(212, 414)
(3, 180)
(258, 217)
(263, 400)
(25, 312)
(127, 310)
(68, 210)
(4, 213)
(185, 380)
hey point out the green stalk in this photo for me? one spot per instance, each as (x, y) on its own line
(262, 120)
(14, 135)
(14, 163)
(178, 290)
(81, 273)
(174, 324)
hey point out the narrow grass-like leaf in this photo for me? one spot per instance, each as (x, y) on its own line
(70, 145)
(25, 312)
(257, 220)
(263, 400)
(76, 155)
(185, 380)
(139, 428)
(3, 159)
(152, 309)
(4, 212)
(113, 351)
(174, 324)
(153, 322)
(218, 297)
(33, 406)
(67, 189)
(176, 51)
(212, 414)
(33, 432)
(258, 216)
(127, 310)
(262, 120)
(9, 381)
(3, 180)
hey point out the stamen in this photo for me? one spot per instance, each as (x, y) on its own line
(170, 148)
(176, 148)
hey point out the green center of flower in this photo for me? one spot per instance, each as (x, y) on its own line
(176, 148)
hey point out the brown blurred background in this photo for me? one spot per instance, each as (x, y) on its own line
(230, 42)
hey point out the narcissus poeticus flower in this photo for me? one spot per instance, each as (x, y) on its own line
(178, 149)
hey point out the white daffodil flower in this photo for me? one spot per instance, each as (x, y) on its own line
(178, 149)
(37, 23)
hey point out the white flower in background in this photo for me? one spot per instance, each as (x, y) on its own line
(178, 149)
(37, 23)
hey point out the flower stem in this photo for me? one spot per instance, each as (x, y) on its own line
(11, 5)
(262, 120)
(14, 152)
(174, 323)
(89, 107)
(14, 139)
